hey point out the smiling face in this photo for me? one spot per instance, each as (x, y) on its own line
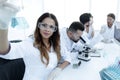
(110, 21)
(47, 29)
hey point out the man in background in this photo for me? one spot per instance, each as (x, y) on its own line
(87, 20)
(107, 30)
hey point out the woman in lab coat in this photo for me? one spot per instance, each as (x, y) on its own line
(41, 54)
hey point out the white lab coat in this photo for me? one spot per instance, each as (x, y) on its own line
(107, 33)
(66, 45)
(35, 69)
(89, 34)
(85, 37)
(91, 41)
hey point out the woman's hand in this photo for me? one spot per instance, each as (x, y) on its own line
(54, 73)
(7, 11)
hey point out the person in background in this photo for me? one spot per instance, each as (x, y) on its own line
(107, 31)
(89, 36)
(41, 53)
(87, 20)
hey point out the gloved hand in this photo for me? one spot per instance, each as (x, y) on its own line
(54, 73)
(7, 11)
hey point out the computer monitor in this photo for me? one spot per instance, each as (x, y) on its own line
(117, 34)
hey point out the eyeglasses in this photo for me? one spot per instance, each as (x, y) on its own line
(44, 26)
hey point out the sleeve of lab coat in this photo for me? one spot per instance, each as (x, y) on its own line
(18, 50)
(66, 55)
(65, 52)
(103, 31)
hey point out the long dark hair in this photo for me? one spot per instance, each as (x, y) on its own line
(54, 39)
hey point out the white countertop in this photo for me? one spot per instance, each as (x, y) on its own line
(90, 70)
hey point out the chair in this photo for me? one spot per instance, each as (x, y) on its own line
(12, 69)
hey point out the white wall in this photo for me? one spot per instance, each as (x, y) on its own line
(66, 11)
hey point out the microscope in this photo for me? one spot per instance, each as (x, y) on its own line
(80, 52)
(83, 54)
